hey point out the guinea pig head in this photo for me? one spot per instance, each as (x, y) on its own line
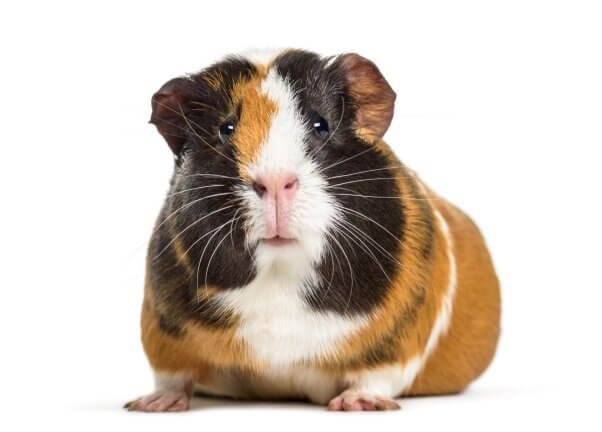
(279, 164)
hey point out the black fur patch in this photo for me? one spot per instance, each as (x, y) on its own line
(200, 211)
(169, 327)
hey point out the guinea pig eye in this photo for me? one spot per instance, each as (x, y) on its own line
(226, 130)
(320, 126)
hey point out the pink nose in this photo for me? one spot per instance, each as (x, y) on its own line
(278, 194)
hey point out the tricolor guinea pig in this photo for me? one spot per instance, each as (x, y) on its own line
(295, 256)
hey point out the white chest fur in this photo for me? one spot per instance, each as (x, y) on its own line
(279, 327)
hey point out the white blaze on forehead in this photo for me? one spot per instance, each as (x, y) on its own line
(283, 149)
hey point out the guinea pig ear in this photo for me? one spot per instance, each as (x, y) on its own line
(373, 96)
(170, 104)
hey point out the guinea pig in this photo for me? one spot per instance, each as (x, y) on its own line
(295, 256)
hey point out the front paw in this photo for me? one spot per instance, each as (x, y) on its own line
(358, 400)
(160, 401)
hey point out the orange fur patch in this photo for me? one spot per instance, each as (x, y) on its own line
(468, 347)
(197, 350)
(255, 120)
(179, 251)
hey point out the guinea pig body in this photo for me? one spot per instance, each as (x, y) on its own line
(296, 256)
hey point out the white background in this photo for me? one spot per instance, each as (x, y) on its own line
(499, 109)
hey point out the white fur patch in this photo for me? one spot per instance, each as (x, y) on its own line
(278, 325)
(170, 381)
(389, 381)
(331, 61)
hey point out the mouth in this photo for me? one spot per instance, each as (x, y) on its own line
(278, 241)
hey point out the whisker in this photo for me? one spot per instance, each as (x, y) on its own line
(194, 188)
(362, 180)
(198, 240)
(346, 160)
(387, 197)
(364, 172)
(185, 253)
(213, 254)
(331, 255)
(188, 205)
(188, 227)
(232, 227)
(350, 268)
(198, 268)
(208, 175)
(363, 246)
(344, 188)
(359, 231)
(348, 210)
